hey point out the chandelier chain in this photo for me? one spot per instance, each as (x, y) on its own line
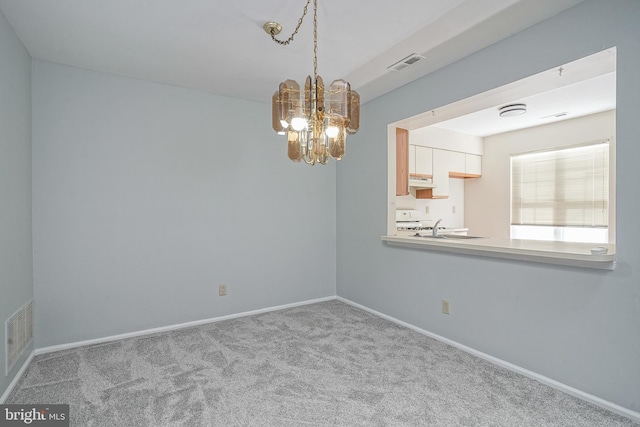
(315, 39)
(290, 39)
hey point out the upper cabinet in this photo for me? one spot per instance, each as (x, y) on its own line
(473, 167)
(455, 163)
(423, 158)
(466, 166)
(450, 164)
(426, 170)
(420, 167)
(443, 162)
(412, 159)
(450, 155)
(414, 164)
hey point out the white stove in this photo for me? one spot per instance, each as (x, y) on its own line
(412, 220)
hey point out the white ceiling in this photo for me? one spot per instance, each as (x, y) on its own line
(578, 88)
(568, 102)
(220, 47)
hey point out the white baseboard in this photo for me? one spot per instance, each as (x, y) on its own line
(102, 340)
(610, 406)
(17, 378)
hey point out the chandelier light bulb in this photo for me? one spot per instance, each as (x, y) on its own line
(298, 123)
(284, 124)
(331, 131)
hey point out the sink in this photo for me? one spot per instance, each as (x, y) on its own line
(428, 236)
(448, 236)
(461, 236)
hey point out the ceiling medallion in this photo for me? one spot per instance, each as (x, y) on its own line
(316, 122)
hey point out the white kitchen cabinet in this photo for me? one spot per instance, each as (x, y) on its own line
(456, 162)
(441, 162)
(420, 161)
(450, 164)
(412, 159)
(424, 161)
(473, 165)
(465, 165)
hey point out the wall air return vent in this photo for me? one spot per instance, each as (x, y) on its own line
(405, 62)
(18, 333)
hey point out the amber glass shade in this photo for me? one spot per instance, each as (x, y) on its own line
(276, 124)
(339, 99)
(319, 104)
(354, 114)
(294, 149)
(337, 145)
(289, 95)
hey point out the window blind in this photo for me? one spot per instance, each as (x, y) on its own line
(564, 188)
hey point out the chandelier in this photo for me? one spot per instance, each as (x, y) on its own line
(316, 122)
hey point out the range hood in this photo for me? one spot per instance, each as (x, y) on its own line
(421, 182)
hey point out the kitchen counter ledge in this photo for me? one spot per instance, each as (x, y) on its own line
(561, 253)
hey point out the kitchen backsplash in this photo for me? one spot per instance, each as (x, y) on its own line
(440, 208)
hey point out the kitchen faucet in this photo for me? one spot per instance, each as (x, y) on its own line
(435, 228)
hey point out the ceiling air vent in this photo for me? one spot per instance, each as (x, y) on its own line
(405, 62)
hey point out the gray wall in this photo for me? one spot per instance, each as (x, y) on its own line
(146, 197)
(16, 271)
(578, 326)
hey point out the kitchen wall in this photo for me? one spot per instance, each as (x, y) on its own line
(146, 197)
(580, 327)
(16, 269)
(450, 210)
(493, 191)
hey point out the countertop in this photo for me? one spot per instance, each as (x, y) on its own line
(563, 253)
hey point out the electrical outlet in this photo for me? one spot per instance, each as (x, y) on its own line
(446, 307)
(426, 210)
(222, 290)
(453, 209)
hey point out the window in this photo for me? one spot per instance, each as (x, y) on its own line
(561, 194)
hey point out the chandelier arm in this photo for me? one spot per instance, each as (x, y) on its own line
(311, 158)
(290, 39)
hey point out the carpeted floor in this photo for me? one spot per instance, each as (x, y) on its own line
(326, 364)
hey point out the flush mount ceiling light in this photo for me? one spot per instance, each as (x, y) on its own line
(512, 110)
(315, 129)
